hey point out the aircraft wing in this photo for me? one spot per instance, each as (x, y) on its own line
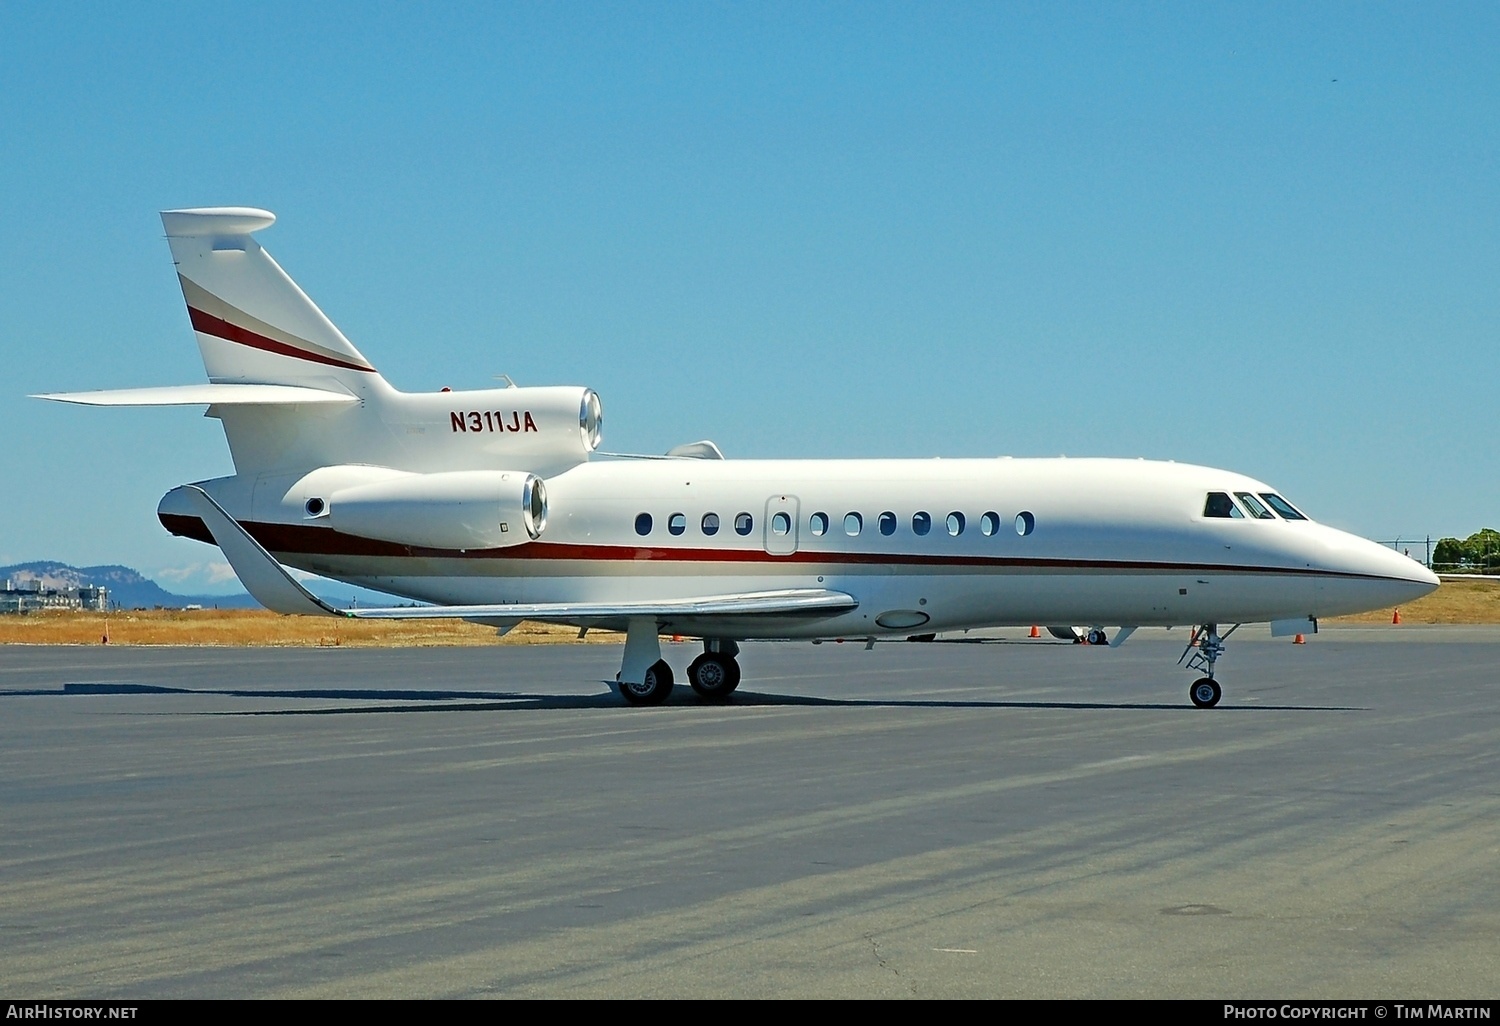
(271, 585)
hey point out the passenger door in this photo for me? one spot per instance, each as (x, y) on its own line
(780, 530)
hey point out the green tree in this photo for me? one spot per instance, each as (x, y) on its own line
(1449, 552)
(1478, 553)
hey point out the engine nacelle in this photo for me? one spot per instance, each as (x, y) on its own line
(544, 429)
(461, 509)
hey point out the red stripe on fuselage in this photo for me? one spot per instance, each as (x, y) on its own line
(220, 328)
(321, 541)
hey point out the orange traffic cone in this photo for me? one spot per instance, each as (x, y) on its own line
(1396, 616)
(677, 639)
(1035, 633)
(1299, 640)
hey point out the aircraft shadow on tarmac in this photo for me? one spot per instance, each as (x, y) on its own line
(405, 700)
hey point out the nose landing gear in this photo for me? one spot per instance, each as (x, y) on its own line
(1205, 691)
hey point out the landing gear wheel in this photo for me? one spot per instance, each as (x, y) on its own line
(713, 676)
(1206, 693)
(1098, 637)
(653, 690)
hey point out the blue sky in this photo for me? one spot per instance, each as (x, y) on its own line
(1261, 237)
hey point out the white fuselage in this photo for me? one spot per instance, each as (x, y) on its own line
(1111, 542)
(493, 506)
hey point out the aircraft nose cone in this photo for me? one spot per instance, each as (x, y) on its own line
(1367, 576)
(1404, 570)
(1391, 579)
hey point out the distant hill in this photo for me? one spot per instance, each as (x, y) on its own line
(128, 589)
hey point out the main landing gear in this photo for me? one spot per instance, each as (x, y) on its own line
(1205, 691)
(714, 675)
(646, 679)
(653, 690)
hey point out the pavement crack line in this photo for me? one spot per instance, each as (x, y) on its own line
(882, 962)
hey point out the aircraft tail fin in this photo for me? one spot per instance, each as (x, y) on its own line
(252, 322)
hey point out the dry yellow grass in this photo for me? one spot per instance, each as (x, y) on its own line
(1455, 602)
(240, 627)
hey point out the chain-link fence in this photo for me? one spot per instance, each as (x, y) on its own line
(1480, 557)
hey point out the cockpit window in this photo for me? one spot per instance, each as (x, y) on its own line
(1280, 505)
(1220, 505)
(1250, 502)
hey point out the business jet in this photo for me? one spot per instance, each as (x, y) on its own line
(497, 506)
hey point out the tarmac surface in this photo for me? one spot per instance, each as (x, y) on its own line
(1011, 819)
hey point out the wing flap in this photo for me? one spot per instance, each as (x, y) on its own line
(788, 602)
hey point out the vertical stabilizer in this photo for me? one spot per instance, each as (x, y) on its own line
(252, 321)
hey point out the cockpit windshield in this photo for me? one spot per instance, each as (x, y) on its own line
(1257, 510)
(1220, 505)
(1281, 506)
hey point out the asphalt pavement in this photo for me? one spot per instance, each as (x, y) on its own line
(1007, 818)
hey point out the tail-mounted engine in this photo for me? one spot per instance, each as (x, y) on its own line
(456, 509)
(540, 428)
(463, 509)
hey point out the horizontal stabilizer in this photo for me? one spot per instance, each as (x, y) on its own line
(216, 221)
(271, 585)
(231, 394)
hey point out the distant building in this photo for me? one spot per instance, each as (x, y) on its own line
(29, 596)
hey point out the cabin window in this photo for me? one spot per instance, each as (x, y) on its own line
(921, 523)
(1251, 503)
(1025, 523)
(781, 524)
(818, 523)
(887, 524)
(955, 524)
(710, 523)
(1220, 506)
(744, 523)
(853, 524)
(677, 523)
(1280, 505)
(643, 524)
(989, 524)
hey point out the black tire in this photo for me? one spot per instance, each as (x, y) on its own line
(1205, 693)
(654, 690)
(713, 676)
(1098, 637)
